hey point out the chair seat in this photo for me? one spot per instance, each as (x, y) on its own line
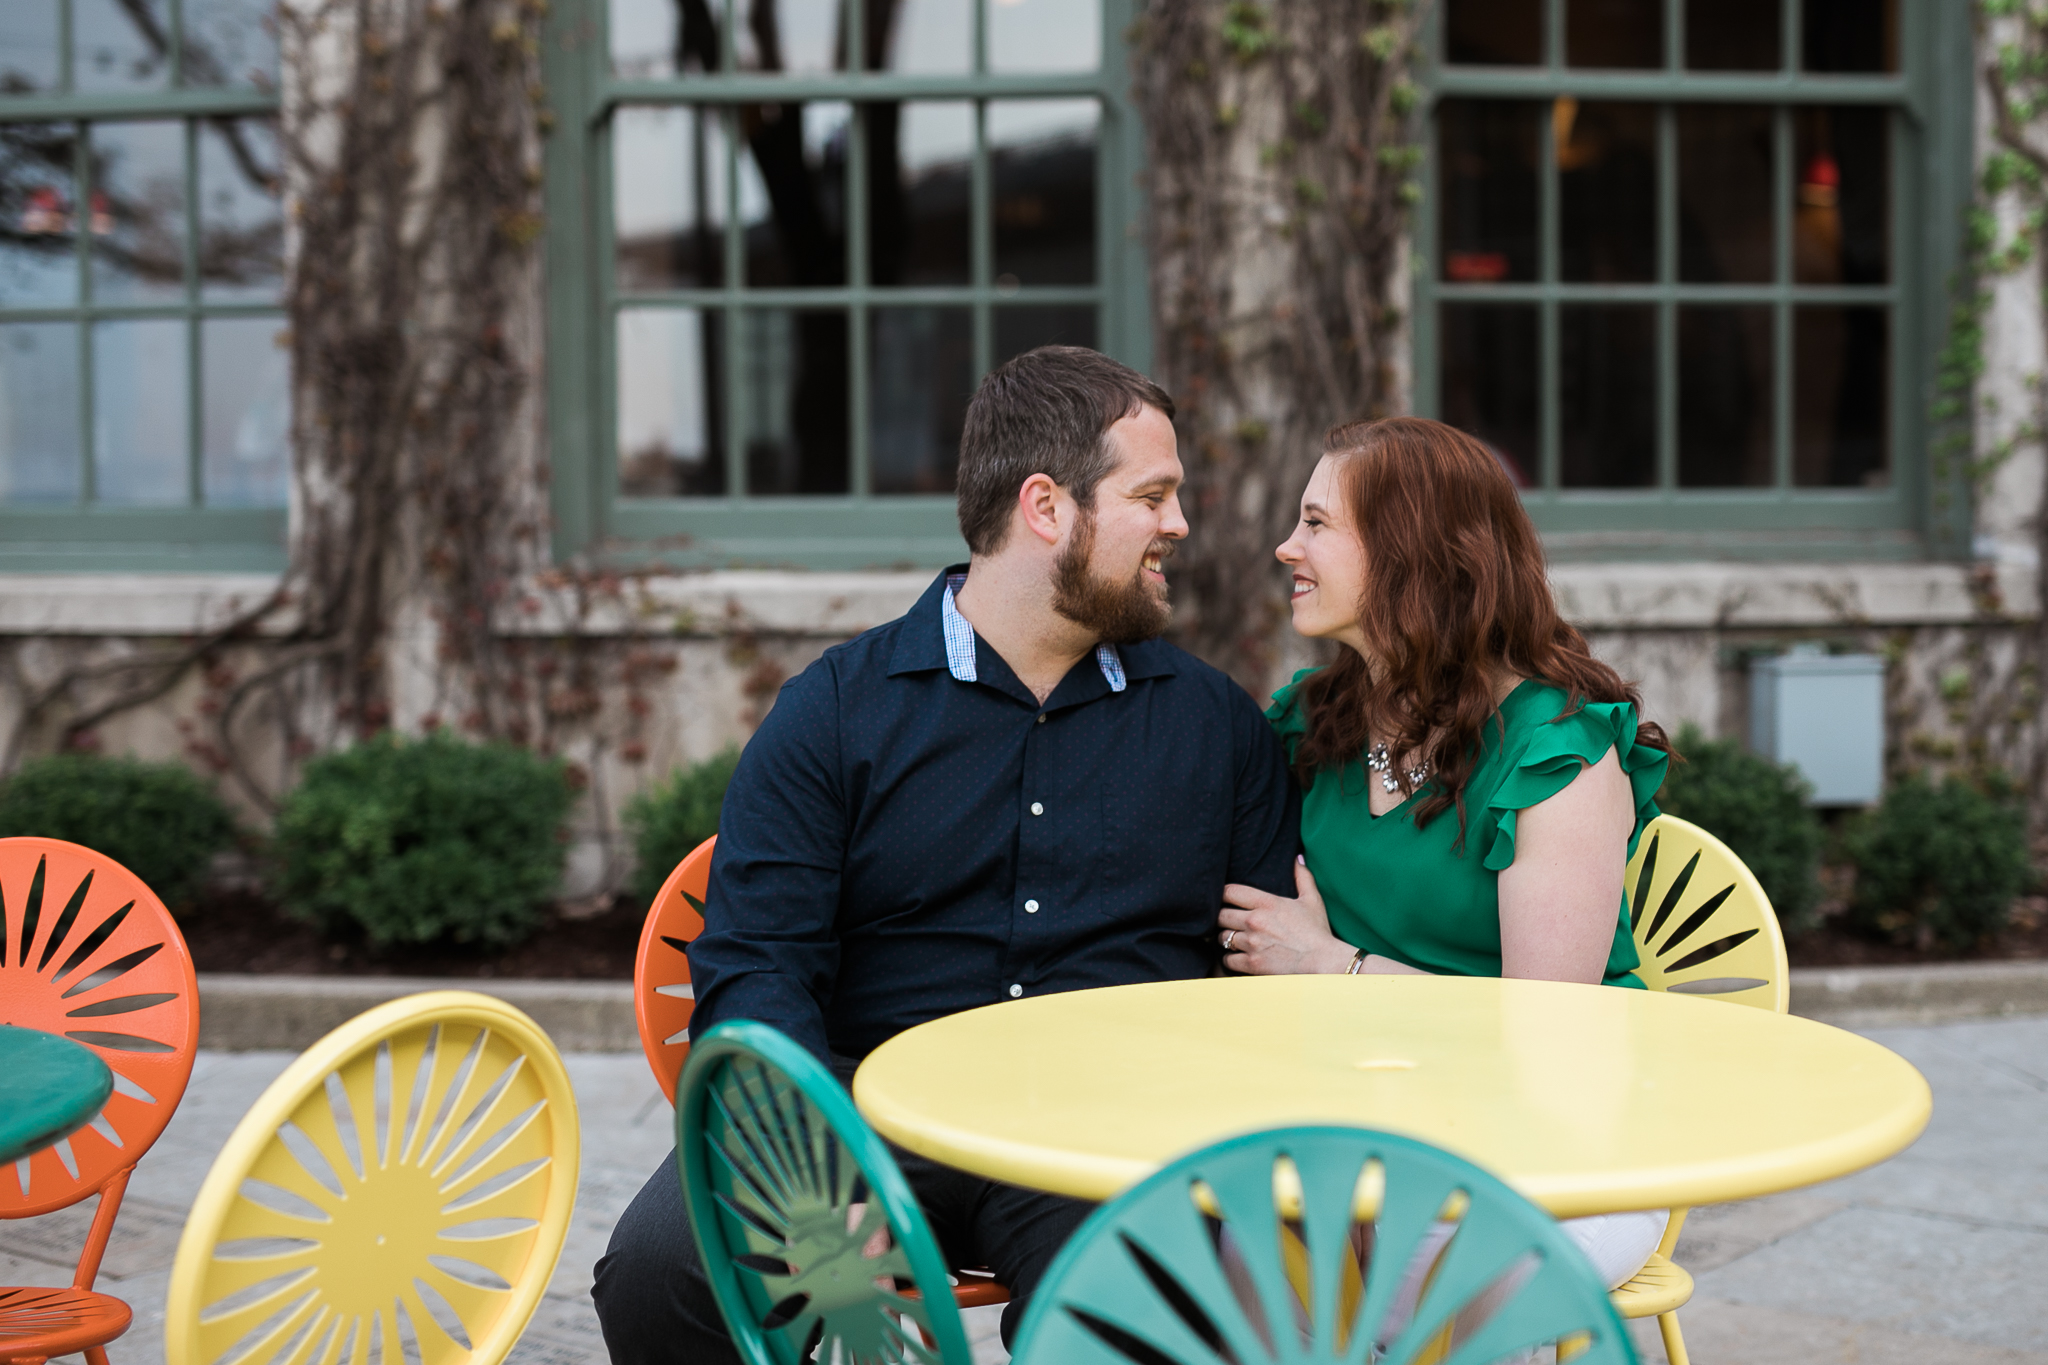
(54, 1322)
(1659, 1287)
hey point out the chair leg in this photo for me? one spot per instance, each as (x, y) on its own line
(1674, 1344)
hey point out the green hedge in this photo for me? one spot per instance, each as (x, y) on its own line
(1759, 809)
(425, 841)
(1939, 866)
(159, 820)
(672, 817)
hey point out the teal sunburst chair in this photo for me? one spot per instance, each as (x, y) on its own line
(1308, 1245)
(811, 1237)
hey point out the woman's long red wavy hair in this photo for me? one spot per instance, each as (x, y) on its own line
(1455, 599)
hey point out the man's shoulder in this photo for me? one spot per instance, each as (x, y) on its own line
(1195, 681)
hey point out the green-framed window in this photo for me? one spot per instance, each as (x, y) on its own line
(788, 237)
(144, 391)
(1684, 264)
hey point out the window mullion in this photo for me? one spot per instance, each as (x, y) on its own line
(1782, 172)
(194, 393)
(1553, 34)
(1667, 307)
(1550, 402)
(1792, 15)
(175, 26)
(1674, 35)
(982, 246)
(66, 77)
(81, 238)
(857, 358)
(730, 339)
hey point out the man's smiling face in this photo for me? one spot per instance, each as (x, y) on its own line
(1111, 573)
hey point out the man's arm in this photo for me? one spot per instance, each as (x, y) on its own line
(770, 950)
(1265, 828)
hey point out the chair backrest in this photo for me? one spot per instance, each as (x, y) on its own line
(401, 1192)
(1702, 923)
(1319, 1244)
(88, 952)
(662, 994)
(809, 1232)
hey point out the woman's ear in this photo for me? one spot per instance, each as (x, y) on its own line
(1039, 502)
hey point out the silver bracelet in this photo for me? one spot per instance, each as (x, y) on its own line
(1357, 961)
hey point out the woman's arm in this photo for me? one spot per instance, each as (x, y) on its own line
(1559, 897)
(1268, 935)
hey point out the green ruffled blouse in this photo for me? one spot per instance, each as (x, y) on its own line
(1408, 893)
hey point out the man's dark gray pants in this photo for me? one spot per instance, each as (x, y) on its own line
(656, 1307)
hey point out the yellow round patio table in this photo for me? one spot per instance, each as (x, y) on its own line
(1587, 1099)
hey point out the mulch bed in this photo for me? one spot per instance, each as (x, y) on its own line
(241, 931)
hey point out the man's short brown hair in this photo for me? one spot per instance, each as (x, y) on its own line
(1047, 412)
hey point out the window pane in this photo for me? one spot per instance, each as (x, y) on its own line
(241, 225)
(1487, 157)
(39, 444)
(1042, 169)
(671, 438)
(792, 401)
(1841, 403)
(28, 46)
(1841, 228)
(1850, 35)
(1733, 35)
(1019, 330)
(38, 249)
(926, 36)
(919, 157)
(140, 413)
(231, 42)
(118, 44)
(1044, 35)
(246, 414)
(1607, 397)
(1724, 194)
(668, 195)
(793, 194)
(138, 212)
(797, 36)
(1607, 187)
(642, 34)
(1488, 379)
(1724, 398)
(921, 374)
(1494, 32)
(1614, 33)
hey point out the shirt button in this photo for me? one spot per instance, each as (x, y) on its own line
(1037, 809)
(1030, 907)
(1041, 717)
(1016, 991)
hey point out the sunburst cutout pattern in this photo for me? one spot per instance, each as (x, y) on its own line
(87, 951)
(1701, 921)
(404, 1200)
(663, 997)
(1321, 1245)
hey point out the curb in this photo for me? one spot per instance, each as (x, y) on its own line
(244, 1013)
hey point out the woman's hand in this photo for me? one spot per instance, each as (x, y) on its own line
(1267, 935)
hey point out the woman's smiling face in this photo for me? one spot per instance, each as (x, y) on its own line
(1328, 560)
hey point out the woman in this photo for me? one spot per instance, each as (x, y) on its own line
(1475, 780)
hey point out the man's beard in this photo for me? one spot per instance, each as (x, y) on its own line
(1120, 613)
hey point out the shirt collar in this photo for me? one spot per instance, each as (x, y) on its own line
(959, 637)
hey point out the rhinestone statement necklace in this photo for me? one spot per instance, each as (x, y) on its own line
(1378, 761)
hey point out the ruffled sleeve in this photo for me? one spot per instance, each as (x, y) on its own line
(1285, 714)
(1557, 751)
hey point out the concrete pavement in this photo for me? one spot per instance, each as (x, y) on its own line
(1940, 1254)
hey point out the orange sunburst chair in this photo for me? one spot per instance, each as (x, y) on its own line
(663, 999)
(88, 952)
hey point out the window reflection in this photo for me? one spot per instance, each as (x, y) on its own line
(668, 196)
(1841, 226)
(1850, 35)
(28, 46)
(1733, 35)
(670, 433)
(230, 42)
(241, 226)
(137, 217)
(1607, 187)
(1607, 396)
(1044, 35)
(643, 34)
(120, 44)
(932, 37)
(920, 156)
(1488, 381)
(1018, 330)
(792, 193)
(1494, 32)
(140, 413)
(921, 374)
(1841, 409)
(792, 400)
(1487, 159)
(1042, 170)
(797, 36)
(1614, 33)
(38, 226)
(39, 450)
(1724, 398)
(1724, 194)
(245, 419)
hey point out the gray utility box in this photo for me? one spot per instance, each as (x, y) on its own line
(1824, 712)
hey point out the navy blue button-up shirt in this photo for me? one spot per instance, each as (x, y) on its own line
(898, 845)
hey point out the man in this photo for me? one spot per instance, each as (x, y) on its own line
(1012, 790)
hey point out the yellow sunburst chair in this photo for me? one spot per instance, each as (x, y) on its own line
(407, 1181)
(1703, 926)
